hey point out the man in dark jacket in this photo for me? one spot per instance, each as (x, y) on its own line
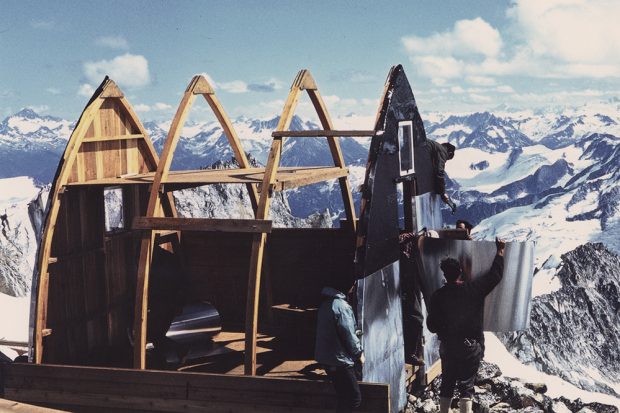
(440, 154)
(456, 316)
(337, 347)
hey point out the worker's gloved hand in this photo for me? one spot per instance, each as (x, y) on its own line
(445, 198)
(500, 244)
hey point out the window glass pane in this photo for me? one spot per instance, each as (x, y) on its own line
(405, 141)
(113, 199)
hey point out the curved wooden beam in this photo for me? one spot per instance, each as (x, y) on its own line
(197, 86)
(303, 81)
(65, 172)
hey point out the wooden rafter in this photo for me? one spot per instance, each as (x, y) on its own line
(303, 82)
(72, 169)
(197, 86)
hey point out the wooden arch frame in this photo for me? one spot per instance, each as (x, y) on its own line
(303, 82)
(103, 125)
(197, 86)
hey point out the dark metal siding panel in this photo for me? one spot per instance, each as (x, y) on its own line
(380, 313)
(507, 307)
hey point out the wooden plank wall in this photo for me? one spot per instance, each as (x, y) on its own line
(110, 158)
(92, 283)
(299, 261)
(217, 264)
(87, 389)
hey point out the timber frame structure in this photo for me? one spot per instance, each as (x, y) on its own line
(108, 141)
(260, 226)
(92, 287)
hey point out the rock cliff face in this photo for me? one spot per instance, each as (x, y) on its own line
(575, 331)
(232, 201)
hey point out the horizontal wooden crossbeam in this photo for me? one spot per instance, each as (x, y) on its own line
(202, 224)
(320, 132)
(112, 138)
(286, 178)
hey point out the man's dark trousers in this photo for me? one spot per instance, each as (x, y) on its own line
(347, 388)
(460, 359)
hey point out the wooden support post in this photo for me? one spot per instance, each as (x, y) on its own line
(258, 243)
(148, 237)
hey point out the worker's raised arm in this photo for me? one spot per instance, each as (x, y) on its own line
(485, 284)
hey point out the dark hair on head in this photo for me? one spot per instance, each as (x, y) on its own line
(466, 224)
(451, 269)
(449, 147)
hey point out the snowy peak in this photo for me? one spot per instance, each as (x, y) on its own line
(484, 131)
(27, 128)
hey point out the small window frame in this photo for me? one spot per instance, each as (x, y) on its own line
(405, 136)
(109, 229)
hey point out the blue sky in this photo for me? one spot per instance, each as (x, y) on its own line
(458, 55)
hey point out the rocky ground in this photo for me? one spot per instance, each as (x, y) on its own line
(497, 393)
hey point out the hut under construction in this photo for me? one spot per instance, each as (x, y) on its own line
(101, 334)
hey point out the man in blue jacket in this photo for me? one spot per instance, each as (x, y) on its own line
(337, 346)
(455, 314)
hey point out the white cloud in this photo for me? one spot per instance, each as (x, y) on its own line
(161, 106)
(53, 91)
(457, 90)
(86, 90)
(555, 39)
(572, 31)
(235, 86)
(240, 86)
(113, 42)
(127, 70)
(466, 39)
(141, 107)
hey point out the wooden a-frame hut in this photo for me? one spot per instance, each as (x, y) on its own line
(91, 301)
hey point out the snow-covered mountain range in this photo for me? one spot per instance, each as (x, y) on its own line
(550, 177)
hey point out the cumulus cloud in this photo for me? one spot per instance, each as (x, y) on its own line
(561, 39)
(53, 91)
(573, 31)
(86, 90)
(112, 42)
(467, 37)
(127, 70)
